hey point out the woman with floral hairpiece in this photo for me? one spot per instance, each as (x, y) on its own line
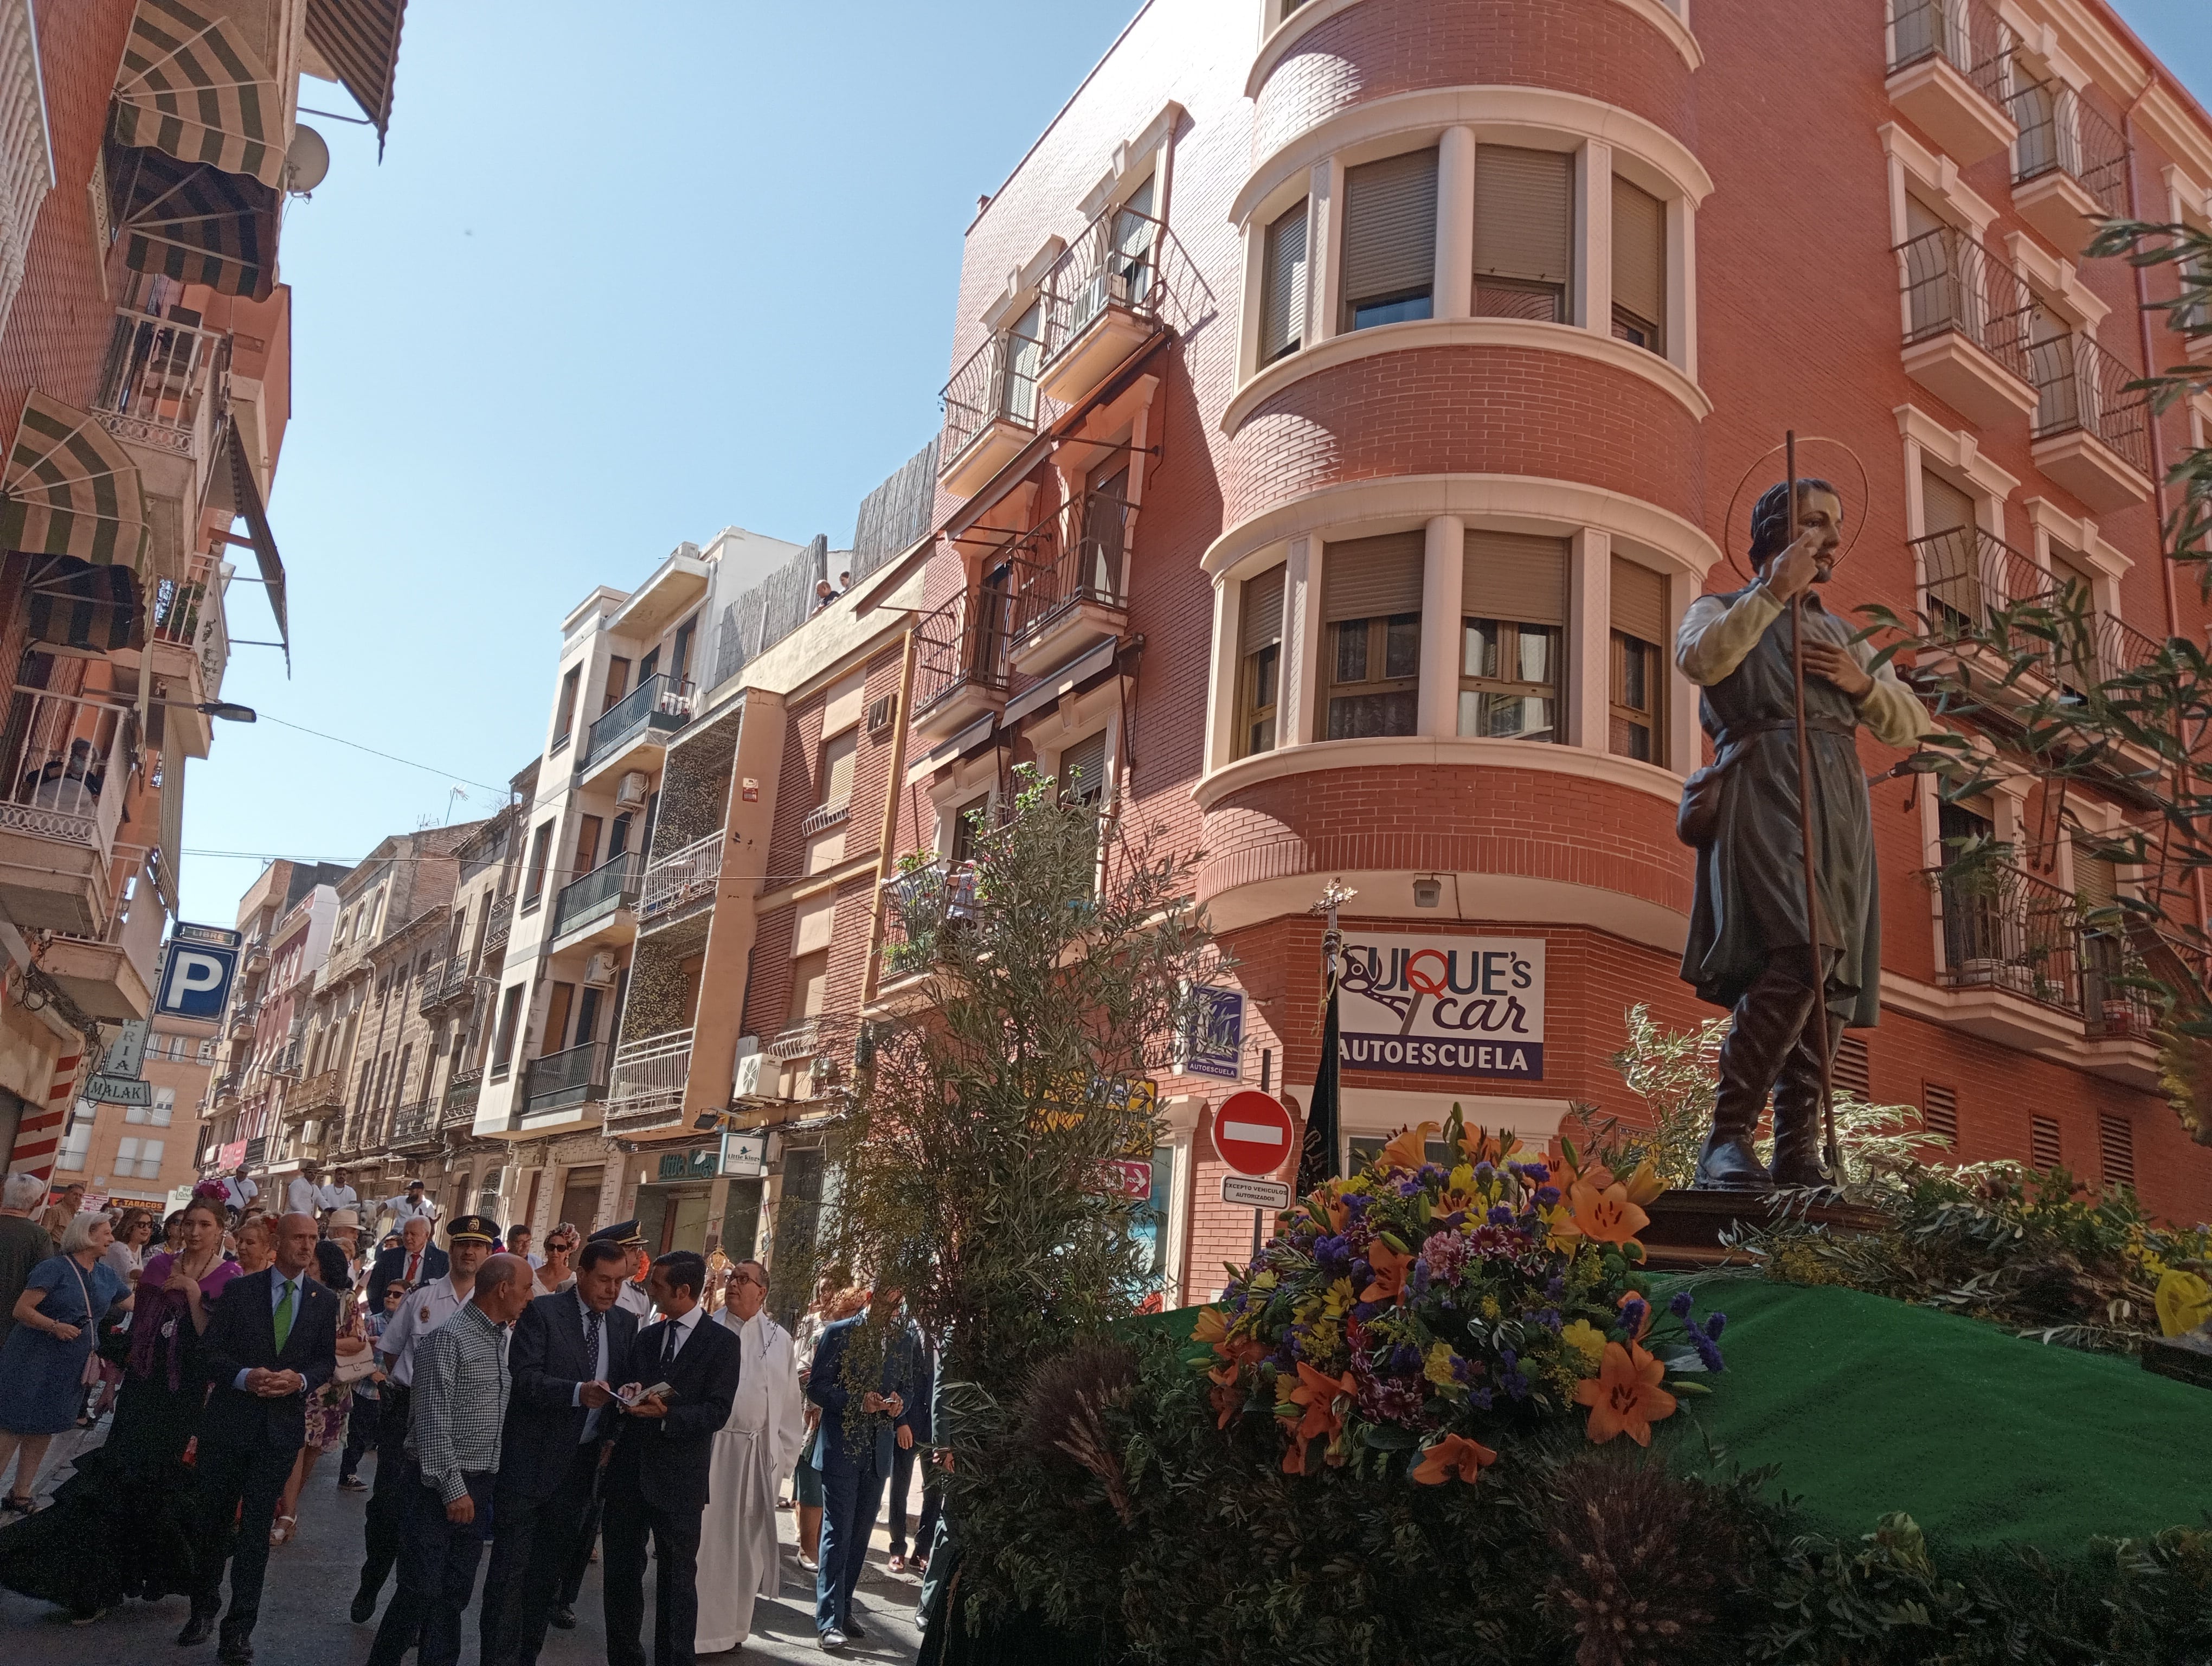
(121, 1526)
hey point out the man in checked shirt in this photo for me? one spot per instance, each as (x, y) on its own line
(459, 1405)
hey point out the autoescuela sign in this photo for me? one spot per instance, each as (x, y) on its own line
(1443, 1005)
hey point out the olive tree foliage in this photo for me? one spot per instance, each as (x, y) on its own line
(1037, 987)
(2048, 685)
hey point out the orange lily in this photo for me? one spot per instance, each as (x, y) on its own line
(1390, 1269)
(1318, 1394)
(1605, 1216)
(1625, 1396)
(1478, 1147)
(1454, 1454)
(1645, 1186)
(1411, 1148)
(1325, 1200)
(1211, 1327)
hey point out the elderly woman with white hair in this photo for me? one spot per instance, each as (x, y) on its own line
(43, 1364)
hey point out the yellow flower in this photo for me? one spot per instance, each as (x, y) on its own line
(1337, 1299)
(2184, 1302)
(1213, 1326)
(1438, 1370)
(1645, 1185)
(1586, 1340)
(1490, 1308)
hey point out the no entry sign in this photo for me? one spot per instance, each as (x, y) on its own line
(1252, 1132)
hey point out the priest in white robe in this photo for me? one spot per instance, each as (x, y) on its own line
(738, 1558)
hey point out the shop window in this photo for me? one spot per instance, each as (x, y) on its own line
(1283, 285)
(1524, 234)
(1371, 609)
(1513, 625)
(1390, 239)
(1637, 729)
(1260, 661)
(1639, 266)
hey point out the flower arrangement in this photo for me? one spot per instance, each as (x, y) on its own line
(1420, 1313)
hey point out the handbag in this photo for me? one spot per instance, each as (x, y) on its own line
(353, 1367)
(89, 1376)
(1698, 816)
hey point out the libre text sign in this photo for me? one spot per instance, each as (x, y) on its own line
(1443, 1005)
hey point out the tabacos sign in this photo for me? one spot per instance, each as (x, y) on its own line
(1443, 1005)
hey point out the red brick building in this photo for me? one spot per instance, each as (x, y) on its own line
(1349, 396)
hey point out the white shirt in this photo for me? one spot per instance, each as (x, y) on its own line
(683, 1327)
(404, 1210)
(600, 1366)
(339, 1197)
(240, 1192)
(301, 1195)
(422, 1312)
(633, 1298)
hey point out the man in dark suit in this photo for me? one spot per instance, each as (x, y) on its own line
(657, 1479)
(416, 1260)
(271, 1342)
(853, 1470)
(560, 1416)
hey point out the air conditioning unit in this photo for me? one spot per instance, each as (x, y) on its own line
(751, 1064)
(630, 792)
(599, 969)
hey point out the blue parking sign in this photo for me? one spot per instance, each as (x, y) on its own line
(195, 980)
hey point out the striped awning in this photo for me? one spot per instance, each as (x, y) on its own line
(70, 488)
(195, 223)
(73, 604)
(359, 40)
(190, 85)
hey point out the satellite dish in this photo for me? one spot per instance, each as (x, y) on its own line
(307, 159)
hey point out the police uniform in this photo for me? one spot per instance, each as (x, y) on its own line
(632, 1295)
(426, 1307)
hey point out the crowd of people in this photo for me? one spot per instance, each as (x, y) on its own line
(589, 1395)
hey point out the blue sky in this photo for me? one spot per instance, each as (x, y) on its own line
(611, 288)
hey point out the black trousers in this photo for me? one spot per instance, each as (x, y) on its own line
(626, 1521)
(933, 1497)
(529, 1560)
(364, 1424)
(387, 1499)
(437, 1574)
(577, 1559)
(237, 1486)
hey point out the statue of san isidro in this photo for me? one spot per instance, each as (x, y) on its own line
(1750, 944)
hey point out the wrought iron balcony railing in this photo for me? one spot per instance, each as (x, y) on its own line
(430, 993)
(1053, 575)
(155, 388)
(1114, 262)
(1966, 34)
(188, 615)
(997, 385)
(2080, 386)
(2006, 929)
(576, 1077)
(321, 1092)
(2061, 130)
(1952, 283)
(919, 907)
(660, 702)
(613, 884)
(497, 924)
(415, 1123)
(962, 644)
(647, 1087)
(682, 877)
(70, 770)
(461, 1095)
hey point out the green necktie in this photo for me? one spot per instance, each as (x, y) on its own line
(284, 1315)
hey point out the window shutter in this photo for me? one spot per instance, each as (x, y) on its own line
(1509, 575)
(1524, 214)
(1390, 226)
(837, 768)
(1639, 251)
(1082, 768)
(2116, 1149)
(2067, 566)
(1939, 1111)
(1283, 285)
(810, 987)
(1852, 1071)
(1371, 578)
(1639, 602)
(1261, 622)
(2043, 1146)
(1944, 506)
(2094, 882)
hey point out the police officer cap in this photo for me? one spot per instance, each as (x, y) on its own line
(477, 1228)
(623, 1232)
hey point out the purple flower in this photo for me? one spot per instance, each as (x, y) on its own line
(1557, 1288)
(1333, 1255)
(1716, 1324)
(1681, 1306)
(1480, 1398)
(1500, 1215)
(1464, 1369)
(1548, 1318)
(1547, 1195)
(1513, 1382)
(1431, 1174)
(1633, 1314)
(1362, 1273)
(1404, 1360)
(1363, 1311)
(1355, 1204)
(1418, 1282)
(1409, 1187)
(1484, 1174)
(1537, 1172)
(1708, 1351)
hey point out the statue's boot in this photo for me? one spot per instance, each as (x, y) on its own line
(1798, 1129)
(1769, 1017)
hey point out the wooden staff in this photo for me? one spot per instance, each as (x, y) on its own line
(1833, 1151)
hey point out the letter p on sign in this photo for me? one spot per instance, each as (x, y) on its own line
(197, 980)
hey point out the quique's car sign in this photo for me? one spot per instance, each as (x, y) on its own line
(1443, 1005)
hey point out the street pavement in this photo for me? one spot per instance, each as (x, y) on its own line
(311, 1580)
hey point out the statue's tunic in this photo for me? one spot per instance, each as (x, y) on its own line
(1750, 879)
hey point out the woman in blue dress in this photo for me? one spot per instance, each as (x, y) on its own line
(42, 1376)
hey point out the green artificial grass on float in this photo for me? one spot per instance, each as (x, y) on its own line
(1866, 1405)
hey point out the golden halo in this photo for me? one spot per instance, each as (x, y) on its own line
(1857, 524)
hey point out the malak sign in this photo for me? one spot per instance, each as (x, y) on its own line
(1444, 1006)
